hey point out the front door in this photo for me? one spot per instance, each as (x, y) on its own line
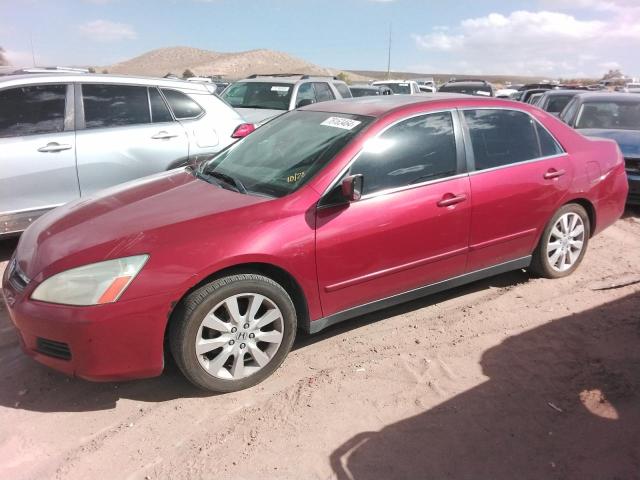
(37, 153)
(411, 226)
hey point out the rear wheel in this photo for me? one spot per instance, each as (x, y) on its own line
(563, 243)
(233, 332)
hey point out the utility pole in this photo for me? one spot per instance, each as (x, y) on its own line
(33, 53)
(389, 55)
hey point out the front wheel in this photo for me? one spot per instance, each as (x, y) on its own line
(233, 332)
(563, 243)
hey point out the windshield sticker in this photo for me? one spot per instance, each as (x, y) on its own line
(279, 88)
(339, 122)
(403, 84)
(295, 177)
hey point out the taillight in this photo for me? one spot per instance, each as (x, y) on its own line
(243, 130)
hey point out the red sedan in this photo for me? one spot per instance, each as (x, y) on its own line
(323, 214)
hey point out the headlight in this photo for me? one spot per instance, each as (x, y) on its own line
(94, 284)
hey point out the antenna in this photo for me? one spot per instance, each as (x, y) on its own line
(389, 55)
(33, 54)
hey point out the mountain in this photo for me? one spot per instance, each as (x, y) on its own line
(205, 62)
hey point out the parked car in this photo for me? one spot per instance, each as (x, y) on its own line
(369, 90)
(615, 116)
(259, 98)
(533, 99)
(427, 85)
(554, 101)
(400, 87)
(505, 92)
(67, 135)
(469, 87)
(526, 94)
(282, 231)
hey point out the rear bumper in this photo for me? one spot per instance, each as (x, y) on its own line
(118, 341)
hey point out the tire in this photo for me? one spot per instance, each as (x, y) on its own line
(544, 262)
(226, 319)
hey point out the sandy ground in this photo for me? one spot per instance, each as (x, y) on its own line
(512, 377)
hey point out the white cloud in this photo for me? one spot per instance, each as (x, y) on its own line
(106, 31)
(543, 42)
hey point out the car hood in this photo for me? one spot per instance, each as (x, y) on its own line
(124, 220)
(628, 140)
(258, 116)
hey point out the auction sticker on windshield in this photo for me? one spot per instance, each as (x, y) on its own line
(278, 88)
(339, 122)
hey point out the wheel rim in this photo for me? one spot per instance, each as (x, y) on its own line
(239, 336)
(565, 242)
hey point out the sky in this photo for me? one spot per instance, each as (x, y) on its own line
(551, 38)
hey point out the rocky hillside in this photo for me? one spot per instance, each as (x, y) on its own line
(205, 62)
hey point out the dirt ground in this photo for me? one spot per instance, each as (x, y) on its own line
(512, 377)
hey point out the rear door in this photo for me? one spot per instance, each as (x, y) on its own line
(125, 132)
(323, 92)
(37, 152)
(519, 176)
(411, 226)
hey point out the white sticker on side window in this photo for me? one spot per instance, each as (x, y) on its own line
(279, 88)
(339, 122)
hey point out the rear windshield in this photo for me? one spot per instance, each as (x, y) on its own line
(480, 89)
(268, 95)
(556, 103)
(282, 155)
(610, 115)
(364, 92)
(398, 88)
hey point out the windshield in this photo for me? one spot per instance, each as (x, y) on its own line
(364, 92)
(610, 115)
(269, 95)
(282, 155)
(397, 88)
(556, 103)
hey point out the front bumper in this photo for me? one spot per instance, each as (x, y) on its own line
(634, 188)
(118, 341)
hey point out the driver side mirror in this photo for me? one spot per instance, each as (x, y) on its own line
(304, 102)
(352, 187)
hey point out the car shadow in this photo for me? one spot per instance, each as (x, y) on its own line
(562, 401)
(631, 211)
(31, 386)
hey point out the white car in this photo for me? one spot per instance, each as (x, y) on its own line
(400, 87)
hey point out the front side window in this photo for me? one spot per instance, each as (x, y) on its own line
(114, 105)
(569, 111)
(306, 92)
(413, 151)
(501, 137)
(32, 110)
(183, 107)
(267, 95)
(282, 155)
(323, 92)
(621, 115)
(343, 89)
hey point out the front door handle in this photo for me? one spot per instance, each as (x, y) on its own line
(451, 199)
(553, 173)
(163, 135)
(55, 147)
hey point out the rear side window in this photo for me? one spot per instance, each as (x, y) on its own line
(501, 137)
(159, 110)
(32, 110)
(548, 144)
(343, 89)
(413, 151)
(323, 92)
(114, 105)
(183, 107)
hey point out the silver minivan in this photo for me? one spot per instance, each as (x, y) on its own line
(67, 135)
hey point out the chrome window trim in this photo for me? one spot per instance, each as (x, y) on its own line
(538, 159)
(340, 175)
(29, 210)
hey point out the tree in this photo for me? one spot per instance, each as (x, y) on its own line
(3, 58)
(344, 77)
(187, 74)
(105, 71)
(92, 70)
(613, 74)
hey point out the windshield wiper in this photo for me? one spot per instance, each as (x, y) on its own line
(227, 179)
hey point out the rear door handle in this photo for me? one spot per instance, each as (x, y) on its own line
(553, 173)
(450, 199)
(55, 147)
(163, 135)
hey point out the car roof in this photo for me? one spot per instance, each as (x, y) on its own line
(594, 97)
(380, 82)
(382, 105)
(38, 78)
(560, 91)
(293, 79)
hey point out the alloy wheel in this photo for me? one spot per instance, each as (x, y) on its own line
(566, 241)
